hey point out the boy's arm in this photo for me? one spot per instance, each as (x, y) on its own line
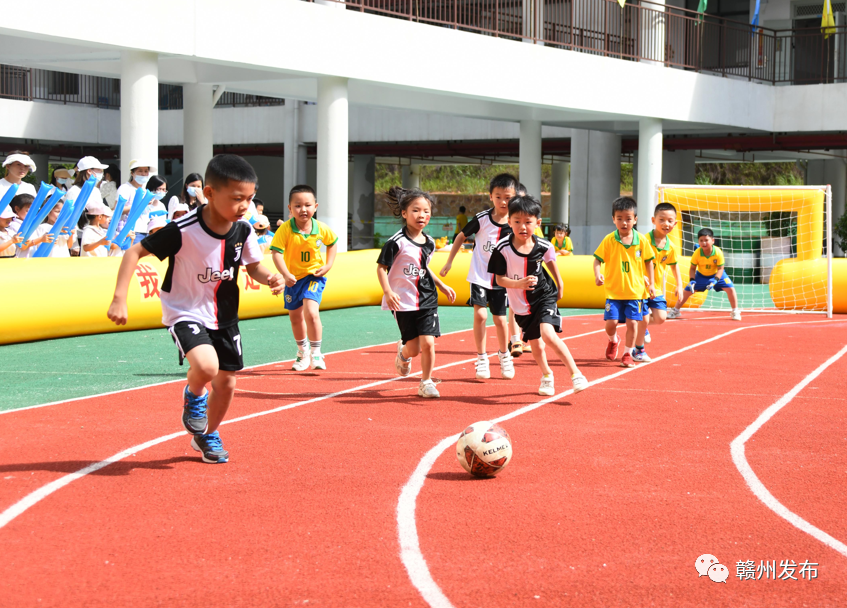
(526, 283)
(557, 277)
(677, 275)
(648, 278)
(260, 273)
(457, 244)
(331, 252)
(117, 312)
(599, 279)
(392, 300)
(279, 262)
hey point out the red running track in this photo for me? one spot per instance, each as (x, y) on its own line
(634, 473)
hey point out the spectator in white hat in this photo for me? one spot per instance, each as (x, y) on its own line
(93, 242)
(156, 224)
(178, 211)
(261, 226)
(17, 164)
(139, 174)
(87, 167)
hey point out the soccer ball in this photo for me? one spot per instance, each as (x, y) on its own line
(484, 449)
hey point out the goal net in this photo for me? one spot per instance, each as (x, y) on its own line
(775, 240)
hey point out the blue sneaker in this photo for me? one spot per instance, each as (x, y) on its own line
(194, 412)
(211, 447)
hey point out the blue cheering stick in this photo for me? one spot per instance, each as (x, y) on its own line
(116, 218)
(29, 219)
(45, 210)
(65, 214)
(139, 203)
(79, 204)
(7, 198)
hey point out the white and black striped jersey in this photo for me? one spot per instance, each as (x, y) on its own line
(488, 233)
(507, 261)
(408, 271)
(201, 282)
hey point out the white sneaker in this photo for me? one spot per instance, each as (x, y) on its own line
(483, 371)
(735, 315)
(547, 388)
(507, 366)
(580, 383)
(402, 366)
(647, 337)
(318, 362)
(301, 363)
(673, 313)
(427, 390)
(641, 357)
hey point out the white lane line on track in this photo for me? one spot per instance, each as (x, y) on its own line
(138, 388)
(407, 530)
(757, 487)
(44, 491)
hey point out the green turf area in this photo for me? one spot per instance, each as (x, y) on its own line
(55, 370)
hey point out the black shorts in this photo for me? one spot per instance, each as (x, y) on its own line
(226, 342)
(542, 312)
(414, 323)
(495, 299)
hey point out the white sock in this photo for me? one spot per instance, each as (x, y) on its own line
(613, 337)
(301, 345)
(516, 338)
(316, 347)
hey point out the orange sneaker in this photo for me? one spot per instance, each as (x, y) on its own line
(612, 349)
(627, 360)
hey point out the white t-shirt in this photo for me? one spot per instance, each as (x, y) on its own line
(92, 234)
(408, 271)
(94, 198)
(7, 234)
(24, 188)
(60, 245)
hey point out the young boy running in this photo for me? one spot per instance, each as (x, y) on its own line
(200, 294)
(296, 248)
(629, 264)
(489, 226)
(706, 272)
(664, 256)
(517, 262)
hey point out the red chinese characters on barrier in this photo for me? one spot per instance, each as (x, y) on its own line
(148, 281)
(249, 283)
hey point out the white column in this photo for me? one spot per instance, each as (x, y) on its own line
(332, 155)
(139, 108)
(533, 20)
(411, 176)
(559, 196)
(595, 183)
(530, 157)
(197, 148)
(649, 169)
(653, 31)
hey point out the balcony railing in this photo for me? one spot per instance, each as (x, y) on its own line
(640, 31)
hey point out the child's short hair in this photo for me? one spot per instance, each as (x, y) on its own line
(664, 207)
(503, 180)
(20, 201)
(561, 228)
(462, 209)
(300, 189)
(624, 203)
(524, 204)
(400, 198)
(224, 168)
(520, 190)
(706, 232)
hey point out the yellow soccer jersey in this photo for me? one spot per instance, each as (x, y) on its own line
(461, 222)
(664, 257)
(566, 246)
(707, 266)
(625, 270)
(302, 251)
(538, 232)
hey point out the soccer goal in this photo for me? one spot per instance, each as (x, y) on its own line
(776, 242)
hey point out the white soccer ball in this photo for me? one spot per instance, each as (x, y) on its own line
(484, 449)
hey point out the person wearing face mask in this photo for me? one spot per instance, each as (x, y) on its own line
(109, 185)
(192, 194)
(140, 172)
(63, 178)
(17, 164)
(155, 208)
(86, 168)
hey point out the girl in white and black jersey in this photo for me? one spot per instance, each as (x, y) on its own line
(409, 286)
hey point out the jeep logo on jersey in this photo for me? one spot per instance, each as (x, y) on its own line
(238, 247)
(214, 275)
(414, 271)
(489, 246)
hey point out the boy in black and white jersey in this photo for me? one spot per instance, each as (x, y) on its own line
(489, 227)
(517, 263)
(200, 293)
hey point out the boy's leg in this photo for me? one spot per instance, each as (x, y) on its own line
(411, 349)
(223, 389)
(202, 367)
(540, 356)
(312, 319)
(515, 344)
(426, 348)
(631, 330)
(733, 297)
(480, 316)
(502, 327)
(658, 316)
(298, 324)
(552, 341)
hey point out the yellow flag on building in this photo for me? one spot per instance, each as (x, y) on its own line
(827, 20)
(622, 3)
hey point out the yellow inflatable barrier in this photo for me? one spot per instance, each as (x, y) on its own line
(54, 298)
